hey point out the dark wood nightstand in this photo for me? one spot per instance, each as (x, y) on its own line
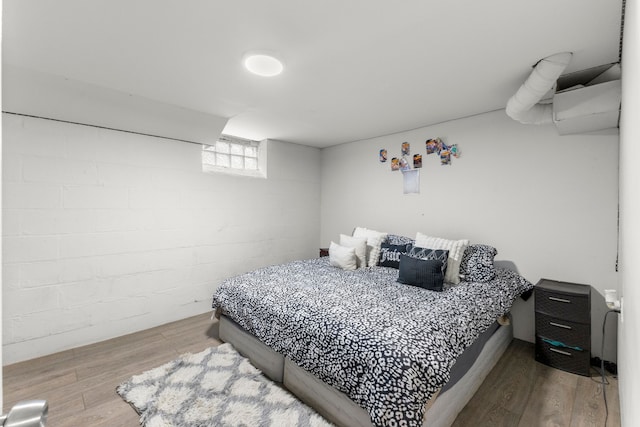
(563, 325)
(324, 252)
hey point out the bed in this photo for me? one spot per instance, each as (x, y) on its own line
(363, 349)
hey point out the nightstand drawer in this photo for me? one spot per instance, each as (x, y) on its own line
(572, 307)
(568, 359)
(571, 333)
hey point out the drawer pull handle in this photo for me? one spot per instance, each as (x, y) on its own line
(560, 325)
(560, 300)
(566, 353)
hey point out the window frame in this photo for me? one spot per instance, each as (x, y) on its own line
(261, 157)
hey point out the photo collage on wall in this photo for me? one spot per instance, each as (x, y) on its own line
(444, 151)
(406, 161)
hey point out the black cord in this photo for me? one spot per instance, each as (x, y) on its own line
(604, 381)
(596, 370)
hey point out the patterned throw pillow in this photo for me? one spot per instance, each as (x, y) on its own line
(477, 263)
(441, 255)
(390, 254)
(421, 272)
(396, 239)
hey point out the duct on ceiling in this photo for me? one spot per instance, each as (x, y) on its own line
(524, 106)
(588, 100)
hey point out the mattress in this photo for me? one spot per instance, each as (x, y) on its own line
(389, 347)
(339, 409)
(465, 361)
(271, 363)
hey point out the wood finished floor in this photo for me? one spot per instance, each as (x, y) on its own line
(80, 384)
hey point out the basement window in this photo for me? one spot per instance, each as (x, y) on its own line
(236, 156)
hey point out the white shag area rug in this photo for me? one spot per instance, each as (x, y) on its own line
(216, 387)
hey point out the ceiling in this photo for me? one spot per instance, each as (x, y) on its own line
(354, 69)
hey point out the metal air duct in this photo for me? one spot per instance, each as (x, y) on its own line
(524, 105)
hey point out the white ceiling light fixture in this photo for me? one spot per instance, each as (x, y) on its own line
(263, 64)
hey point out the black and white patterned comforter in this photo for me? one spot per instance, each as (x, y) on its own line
(388, 346)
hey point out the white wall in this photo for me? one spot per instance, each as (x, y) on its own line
(629, 332)
(548, 203)
(1, 284)
(108, 232)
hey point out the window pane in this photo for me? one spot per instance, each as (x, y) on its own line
(237, 149)
(237, 162)
(222, 147)
(250, 151)
(233, 155)
(208, 157)
(250, 163)
(222, 160)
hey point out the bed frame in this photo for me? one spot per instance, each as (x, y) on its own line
(335, 406)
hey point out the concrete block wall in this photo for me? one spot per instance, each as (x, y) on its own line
(108, 232)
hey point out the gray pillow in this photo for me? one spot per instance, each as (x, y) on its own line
(427, 253)
(425, 273)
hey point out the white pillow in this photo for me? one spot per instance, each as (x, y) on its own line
(342, 257)
(359, 244)
(456, 250)
(374, 241)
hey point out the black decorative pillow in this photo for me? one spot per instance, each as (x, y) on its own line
(430, 254)
(395, 239)
(390, 254)
(477, 263)
(425, 273)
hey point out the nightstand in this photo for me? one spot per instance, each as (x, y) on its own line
(324, 252)
(563, 325)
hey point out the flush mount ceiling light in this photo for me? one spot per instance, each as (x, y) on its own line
(263, 64)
